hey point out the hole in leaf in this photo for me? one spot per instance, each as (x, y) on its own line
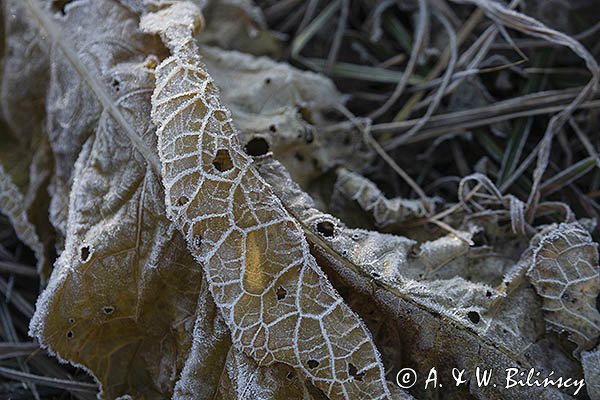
(197, 241)
(478, 239)
(70, 334)
(375, 275)
(474, 317)
(182, 201)
(267, 81)
(273, 128)
(108, 310)
(488, 294)
(281, 293)
(257, 146)
(326, 228)
(353, 372)
(306, 114)
(312, 364)
(222, 161)
(71, 320)
(567, 345)
(308, 135)
(86, 253)
(116, 84)
(59, 5)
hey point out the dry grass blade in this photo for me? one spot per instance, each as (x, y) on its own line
(19, 269)
(20, 349)
(517, 107)
(366, 130)
(453, 46)
(421, 28)
(568, 175)
(73, 386)
(303, 37)
(359, 72)
(339, 34)
(528, 25)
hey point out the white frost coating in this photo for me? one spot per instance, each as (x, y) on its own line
(385, 211)
(565, 275)
(268, 263)
(282, 105)
(590, 361)
(42, 307)
(11, 205)
(418, 308)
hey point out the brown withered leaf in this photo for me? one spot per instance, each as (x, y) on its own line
(123, 293)
(73, 109)
(590, 360)
(24, 148)
(351, 186)
(565, 274)
(450, 322)
(122, 296)
(237, 25)
(216, 369)
(275, 300)
(11, 205)
(279, 108)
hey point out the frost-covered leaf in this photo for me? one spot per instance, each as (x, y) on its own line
(25, 73)
(279, 108)
(122, 297)
(590, 360)
(275, 300)
(216, 369)
(73, 107)
(468, 318)
(123, 293)
(12, 205)
(385, 212)
(565, 275)
(238, 25)
(24, 148)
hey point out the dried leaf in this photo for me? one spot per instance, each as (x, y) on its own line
(279, 108)
(11, 205)
(385, 211)
(238, 25)
(256, 260)
(441, 322)
(216, 369)
(74, 105)
(123, 293)
(25, 73)
(565, 275)
(590, 361)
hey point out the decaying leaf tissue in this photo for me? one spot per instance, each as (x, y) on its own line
(299, 199)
